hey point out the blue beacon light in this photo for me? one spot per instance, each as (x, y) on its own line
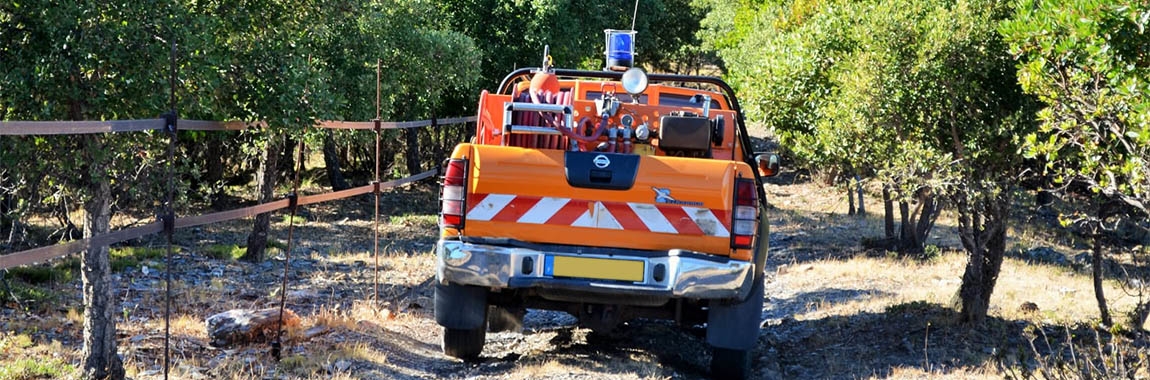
(620, 49)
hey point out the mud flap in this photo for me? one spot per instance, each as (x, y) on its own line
(460, 307)
(735, 325)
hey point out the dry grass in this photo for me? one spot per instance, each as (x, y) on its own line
(618, 369)
(361, 316)
(827, 254)
(636, 366)
(22, 357)
(860, 313)
(907, 372)
(867, 284)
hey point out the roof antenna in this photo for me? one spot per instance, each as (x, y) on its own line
(633, 15)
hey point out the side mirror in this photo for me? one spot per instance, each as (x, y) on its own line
(768, 164)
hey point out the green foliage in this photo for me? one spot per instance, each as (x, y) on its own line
(913, 307)
(289, 63)
(902, 89)
(132, 257)
(37, 275)
(1087, 61)
(512, 34)
(298, 220)
(10, 342)
(28, 294)
(27, 369)
(921, 95)
(931, 252)
(85, 60)
(61, 271)
(228, 252)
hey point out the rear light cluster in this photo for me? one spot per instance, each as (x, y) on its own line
(745, 218)
(454, 196)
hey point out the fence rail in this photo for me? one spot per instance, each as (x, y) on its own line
(28, 128)
(24, 128)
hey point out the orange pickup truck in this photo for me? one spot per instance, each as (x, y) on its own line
(611, 196)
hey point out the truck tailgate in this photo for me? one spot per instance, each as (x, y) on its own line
(600, 199)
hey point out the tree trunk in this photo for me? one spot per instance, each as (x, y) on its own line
(982, 230)
(469, 131)
(906, 233)
(1139, 316)
(266, 181)
(285, 166)
(331, 162)
(888, 211)
(1099, 295)
(927, 215)
(916, 225)
(214, 169)
(99, 357)
(438, 141)
(850, 198)
(413, 164)
(862, 206)
(5, 206)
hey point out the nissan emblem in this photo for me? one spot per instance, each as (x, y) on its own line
(601, 161)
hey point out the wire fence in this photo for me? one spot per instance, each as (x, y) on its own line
(41, 254)
(167, 222)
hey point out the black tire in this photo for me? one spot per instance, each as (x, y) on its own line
(463, 344)
(730, 364)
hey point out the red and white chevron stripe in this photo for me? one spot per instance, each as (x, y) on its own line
(660, 218)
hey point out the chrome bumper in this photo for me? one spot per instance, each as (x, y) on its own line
(686, 274)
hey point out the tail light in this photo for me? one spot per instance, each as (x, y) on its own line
(454, 196)
(745, 218)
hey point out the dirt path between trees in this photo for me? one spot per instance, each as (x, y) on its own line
(831, 311)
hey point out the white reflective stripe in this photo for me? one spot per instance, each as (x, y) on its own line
(584, 220)
(604, 219)
(653, 218)
(544, 210)
(707, 221)
(492, 204)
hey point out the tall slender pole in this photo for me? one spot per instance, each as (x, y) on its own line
(170, 213)
(634, 15)
(375, 223)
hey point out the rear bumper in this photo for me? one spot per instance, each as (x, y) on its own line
(685, 274)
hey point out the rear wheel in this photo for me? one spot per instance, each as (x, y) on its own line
(462, 311)
(733, 333)
(463, 344)
(730, 364)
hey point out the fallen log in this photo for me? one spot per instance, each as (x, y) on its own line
(240, 326)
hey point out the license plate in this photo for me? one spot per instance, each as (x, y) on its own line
(596, 268)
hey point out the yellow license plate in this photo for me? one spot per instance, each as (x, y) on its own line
(602, 269)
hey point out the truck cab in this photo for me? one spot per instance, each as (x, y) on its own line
(610, 195)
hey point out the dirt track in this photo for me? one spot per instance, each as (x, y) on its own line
(331, 285)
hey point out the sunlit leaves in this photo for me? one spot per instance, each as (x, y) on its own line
(908, 90)
(289, 63)
(1087, 61)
